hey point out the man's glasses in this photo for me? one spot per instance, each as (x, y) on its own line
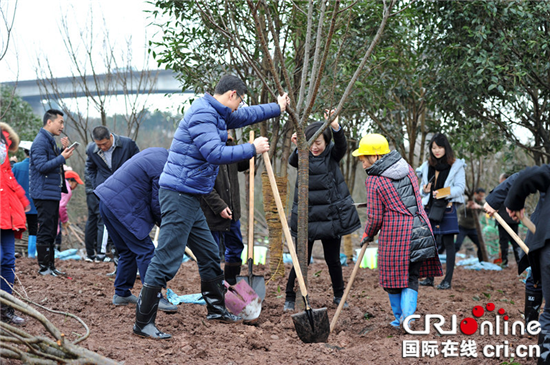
(242, 103)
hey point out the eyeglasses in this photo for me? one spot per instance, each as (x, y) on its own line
(242, 103)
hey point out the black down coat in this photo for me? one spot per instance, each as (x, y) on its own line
(225, 194)
(331, 210)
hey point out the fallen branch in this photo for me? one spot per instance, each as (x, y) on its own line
(17, 344)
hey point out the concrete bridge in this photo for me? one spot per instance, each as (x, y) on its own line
(71, 87)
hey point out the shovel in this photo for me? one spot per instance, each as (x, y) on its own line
(256, 282)
(527, 223)
(242, 300)
(511, 232)
(348, 288)
(311, 325)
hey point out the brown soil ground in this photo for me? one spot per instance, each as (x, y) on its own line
(363, 334)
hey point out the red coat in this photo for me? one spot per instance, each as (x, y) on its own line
(12, 196)
(388, 216)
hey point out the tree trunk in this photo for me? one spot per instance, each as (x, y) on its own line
(348, 247)
(276, 266)
(303, 211)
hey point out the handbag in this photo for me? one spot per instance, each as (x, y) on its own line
(437, 210)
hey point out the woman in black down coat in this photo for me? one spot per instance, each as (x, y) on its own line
(331, 210)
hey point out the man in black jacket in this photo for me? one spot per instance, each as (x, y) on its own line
(222, 209)
(104, 157)
(530, 181)
(533, 291)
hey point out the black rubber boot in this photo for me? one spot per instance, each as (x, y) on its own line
(54, 271)
(544, 344)
(213, 292)
(533, 301)
(9, 316)
(231, 270)
(43, 258)
(146, 313)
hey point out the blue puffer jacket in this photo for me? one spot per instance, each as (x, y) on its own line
(45, 167)
(199, 144)
(131, 193)
(21, 173)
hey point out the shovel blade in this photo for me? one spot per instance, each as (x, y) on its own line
(312, 325)
(256, 282)
(241, 300)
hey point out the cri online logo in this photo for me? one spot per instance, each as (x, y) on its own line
(469, 325)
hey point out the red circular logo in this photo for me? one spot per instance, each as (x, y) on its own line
(468, 326)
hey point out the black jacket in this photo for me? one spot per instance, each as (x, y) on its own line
(331, 210)
(96, 167)
(496, 200)
(528, 182)
(225, 194)
(497, 196)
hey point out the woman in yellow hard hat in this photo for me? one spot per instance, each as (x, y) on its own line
(406, 246)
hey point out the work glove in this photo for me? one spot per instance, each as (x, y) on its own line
(365, 240)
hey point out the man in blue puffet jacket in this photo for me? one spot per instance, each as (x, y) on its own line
(129, 206)
(198, 148)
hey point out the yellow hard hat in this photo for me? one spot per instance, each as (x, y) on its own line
(372, 144)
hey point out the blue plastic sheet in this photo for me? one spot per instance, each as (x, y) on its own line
(343, 259)
(474, 264)
(287, 259)
(67, 254)
(188, 299)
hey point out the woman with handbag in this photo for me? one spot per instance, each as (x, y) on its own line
(443, 182)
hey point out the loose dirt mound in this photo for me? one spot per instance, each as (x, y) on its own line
(363, 334)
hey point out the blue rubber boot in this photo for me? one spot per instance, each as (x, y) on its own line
(31, 249)
(409, 299)
(395, 302)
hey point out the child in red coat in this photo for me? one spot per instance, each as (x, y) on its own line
(13, 205)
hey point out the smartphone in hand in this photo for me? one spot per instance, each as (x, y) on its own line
(74, 145)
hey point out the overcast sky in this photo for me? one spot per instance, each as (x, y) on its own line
(37, 34)
(36, 31)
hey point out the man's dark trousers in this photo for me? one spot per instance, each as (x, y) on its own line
(472, 234)
(48, 218)
(504, 238)
(544, 259)
(183, 223)
(233, 241)
(133, 253)
(92, 235)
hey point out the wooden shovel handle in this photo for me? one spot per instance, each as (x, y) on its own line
(74, 234)
(286, 230)
(511, 232)
(156, 239)
(251, 204)
(348, 288)
(527, 223)
(189, 253)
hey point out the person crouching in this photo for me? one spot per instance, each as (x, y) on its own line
(406, 246)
